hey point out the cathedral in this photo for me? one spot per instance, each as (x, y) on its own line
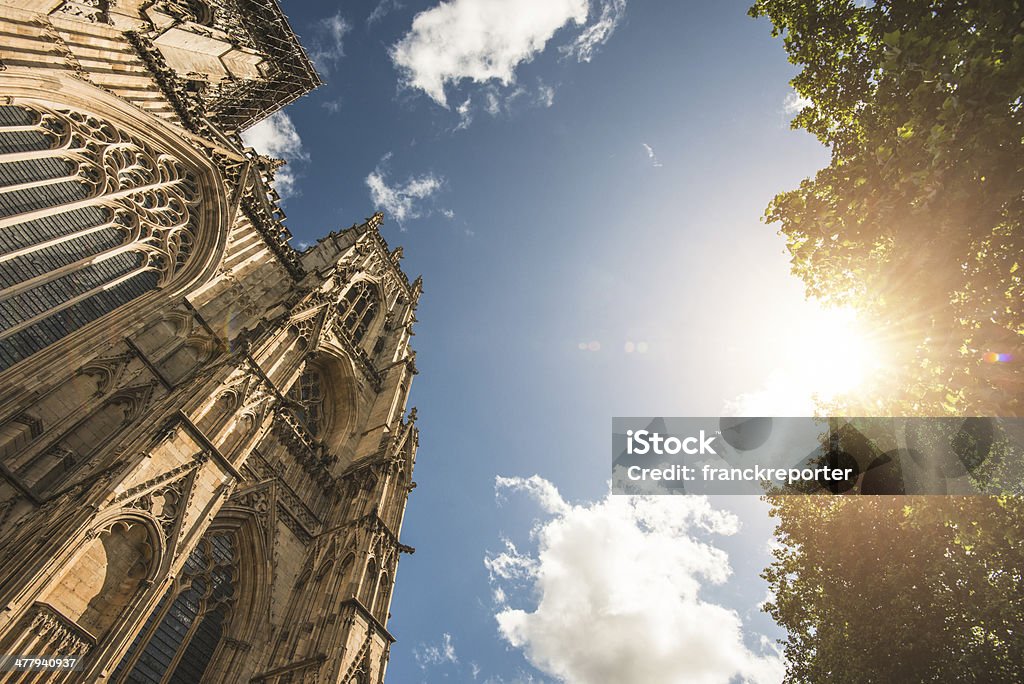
(206, 445)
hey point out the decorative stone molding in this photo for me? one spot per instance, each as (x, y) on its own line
(57, 632)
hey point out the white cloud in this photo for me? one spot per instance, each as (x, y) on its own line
(402, 201)
(545, 95)
(618, 588)
(436, 655)
(542, 490)
(520, 677)
(276, 137)
(327, 44)
(383, 8)
(480, 40)
(597, 34)
(465, 114)
(781, 395)
(493, 102)
(496, 101)
(510, 564)
(794, 102)
(650, 155)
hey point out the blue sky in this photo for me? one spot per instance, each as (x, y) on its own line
(581, 188)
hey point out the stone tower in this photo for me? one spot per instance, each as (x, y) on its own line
(205, 453)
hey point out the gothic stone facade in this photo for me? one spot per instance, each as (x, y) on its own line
(205, 453)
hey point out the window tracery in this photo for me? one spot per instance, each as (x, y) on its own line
(192, 617)
(369, 586)
(90, 219)
(383, 593)
(308, 395)
(359, 308)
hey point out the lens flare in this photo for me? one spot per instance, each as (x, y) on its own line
(839, 353)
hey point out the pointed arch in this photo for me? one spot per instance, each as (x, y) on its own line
(359, 308)
(108, 573)
(380, 609)
(138, 218)
(221, 592)
(324, 398)
(368, 588)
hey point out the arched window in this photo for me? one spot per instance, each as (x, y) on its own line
(383, 593)
(359, 308)
(192, 617)
(90, 219)
(369, 584)
(308, 395)
(346, 565)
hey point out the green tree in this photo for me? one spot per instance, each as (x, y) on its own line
(919, 218)
(899, 589)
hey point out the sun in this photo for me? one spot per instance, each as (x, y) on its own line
(818, 355)
(838, 354)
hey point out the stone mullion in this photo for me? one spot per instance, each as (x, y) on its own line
(75, 300)
(36, 183)
(169, 586)
(173, 665)
(71, 153)
(28, 645)
(81, 204)
(50, 276)
(56, 241)
(30, 128)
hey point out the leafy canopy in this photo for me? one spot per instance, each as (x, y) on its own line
(899, 588)
(919, 218)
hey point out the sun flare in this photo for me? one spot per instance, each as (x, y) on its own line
(839, 354)
(821, 355)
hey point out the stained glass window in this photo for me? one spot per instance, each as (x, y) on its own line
(90, 219)
(180, 647)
